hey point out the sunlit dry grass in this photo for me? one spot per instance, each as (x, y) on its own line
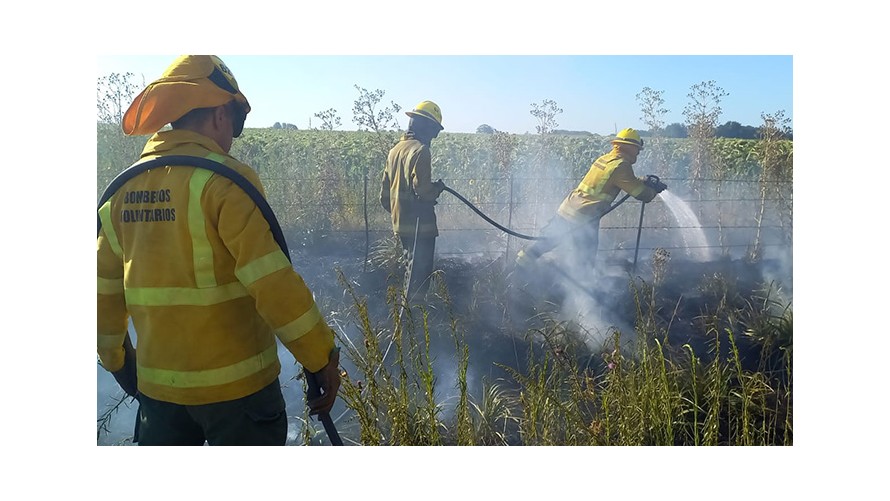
(641, 392)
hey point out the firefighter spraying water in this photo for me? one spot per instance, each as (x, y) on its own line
(577, 221)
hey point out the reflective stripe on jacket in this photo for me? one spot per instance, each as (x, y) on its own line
(607, 177)
(406, 189)
(189, 256)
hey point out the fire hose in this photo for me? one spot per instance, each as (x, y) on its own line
(508, 230)
(651, 181)
(313, 390)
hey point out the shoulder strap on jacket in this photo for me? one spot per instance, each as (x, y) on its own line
(201, 163)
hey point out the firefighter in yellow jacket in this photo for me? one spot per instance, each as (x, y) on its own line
(408, 193)
(188, 256)
(578, 217)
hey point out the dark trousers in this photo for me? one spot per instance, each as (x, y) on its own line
(420, 263)
(257, 419)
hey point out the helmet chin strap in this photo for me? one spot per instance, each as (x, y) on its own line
(238, 118)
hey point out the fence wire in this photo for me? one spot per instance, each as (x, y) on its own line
(736, 217)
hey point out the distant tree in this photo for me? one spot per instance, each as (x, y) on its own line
(284, 125)
(546, 114)
(330, 120)
(676, 130)
(736, 130)
(485, 129)
(729, 129)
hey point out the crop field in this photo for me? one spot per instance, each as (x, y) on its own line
(682, 335)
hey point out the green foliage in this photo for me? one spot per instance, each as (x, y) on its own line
(314, 179)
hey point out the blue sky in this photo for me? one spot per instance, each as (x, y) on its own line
(596, 93)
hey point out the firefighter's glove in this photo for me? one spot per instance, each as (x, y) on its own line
(655, 183)
(439, 186)
(328, 379)
(126, 375)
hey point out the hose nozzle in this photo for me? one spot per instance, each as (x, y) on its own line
(655, 183)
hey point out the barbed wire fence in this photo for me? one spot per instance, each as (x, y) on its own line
(317, 210)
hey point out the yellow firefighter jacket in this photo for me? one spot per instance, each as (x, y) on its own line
(608, 175)
(407, 191)
(188, 255)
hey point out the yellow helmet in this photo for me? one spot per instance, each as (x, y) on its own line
(629, 136)
(427, 109)
(190, 82)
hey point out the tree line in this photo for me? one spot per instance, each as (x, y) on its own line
(729, 130)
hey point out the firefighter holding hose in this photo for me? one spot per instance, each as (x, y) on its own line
(577, 221)
(408, 193)
(188, 256)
